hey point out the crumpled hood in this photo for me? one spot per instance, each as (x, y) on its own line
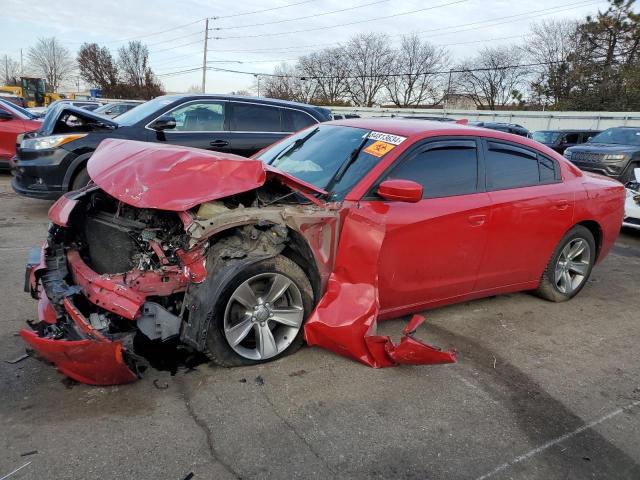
(51, 118)
(177, 178)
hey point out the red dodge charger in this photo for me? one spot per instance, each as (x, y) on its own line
(315, 238)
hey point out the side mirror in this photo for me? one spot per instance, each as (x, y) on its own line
(165, 122)
(4, 115)
(400, 190)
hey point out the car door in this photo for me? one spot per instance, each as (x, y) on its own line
(432, 249)
(255, 126)
(531, 209)
(9, 130)
(199, 124)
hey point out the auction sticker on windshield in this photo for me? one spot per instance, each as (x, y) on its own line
(379, 148)
(387, 137)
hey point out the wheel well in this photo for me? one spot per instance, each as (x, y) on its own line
(596, 231)
(298, 250)
(76, 170)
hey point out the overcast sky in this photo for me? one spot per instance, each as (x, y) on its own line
(463, 26)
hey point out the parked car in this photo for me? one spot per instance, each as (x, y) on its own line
(16, 100)
(344, 116)
(54, 161)
(632, 203)
(350, 220)
(14, 121)
(513, 128)
(114, 109)
(560, 140)
(614, 152)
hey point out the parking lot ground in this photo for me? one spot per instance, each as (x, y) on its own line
(540, 391)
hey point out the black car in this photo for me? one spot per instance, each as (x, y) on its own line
(560, 140)
(53, 160)
(614, 152)
(513, 128)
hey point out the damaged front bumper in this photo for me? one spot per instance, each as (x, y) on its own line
(65, 337)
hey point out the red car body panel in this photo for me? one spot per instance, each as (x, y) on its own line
(393, 258)
(9, 131)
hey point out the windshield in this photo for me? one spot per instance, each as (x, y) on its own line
(329, 155)
(546, 137)
(143, 110)
(618, 136)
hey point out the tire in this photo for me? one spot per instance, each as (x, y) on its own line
(229, 319)
(565, 276)
(81, 179)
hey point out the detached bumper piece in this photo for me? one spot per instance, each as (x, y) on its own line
(64, 336)
(345, 319)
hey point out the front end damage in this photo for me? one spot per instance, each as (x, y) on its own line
(127, 259)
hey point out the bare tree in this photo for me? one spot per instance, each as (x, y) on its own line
(133, 61)
(494, 77)
(370, 59)
(52, 60)
(413, 60)
(287, 83)
(97, 67)
(553, 43)
(328, 70)
(9, 70)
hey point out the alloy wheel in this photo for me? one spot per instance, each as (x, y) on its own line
(572, 266)
(263, 316)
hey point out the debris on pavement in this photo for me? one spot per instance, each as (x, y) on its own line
(18, 359)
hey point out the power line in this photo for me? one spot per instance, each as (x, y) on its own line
(275, 34)
(263, 10)
(528, 15)
(177, 46)
(175, 38)
(386, 75)
(321, 14)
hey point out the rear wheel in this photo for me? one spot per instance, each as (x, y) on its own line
(570, 266)
(260, 314)
(81, 179)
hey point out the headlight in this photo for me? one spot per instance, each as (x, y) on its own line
(613, 157)
(567, 154)
(53, 141)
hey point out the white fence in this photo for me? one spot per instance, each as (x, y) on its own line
(538, 120)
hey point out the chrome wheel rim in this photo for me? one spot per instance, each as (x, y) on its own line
(572, 265)
(263, 316)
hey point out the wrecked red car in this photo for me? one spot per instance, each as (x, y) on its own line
(315, 238)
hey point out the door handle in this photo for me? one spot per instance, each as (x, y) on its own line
(219, 143)
(477, 220)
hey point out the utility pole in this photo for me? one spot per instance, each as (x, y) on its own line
(204, 59)
(21, 69)
(446, 100)
(258, 81)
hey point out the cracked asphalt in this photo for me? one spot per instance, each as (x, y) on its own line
(541, 391)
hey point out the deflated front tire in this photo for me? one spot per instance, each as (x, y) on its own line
(260, 313)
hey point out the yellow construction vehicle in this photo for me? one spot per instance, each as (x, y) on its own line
(33, 90)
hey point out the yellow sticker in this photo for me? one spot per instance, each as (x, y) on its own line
(379, 148)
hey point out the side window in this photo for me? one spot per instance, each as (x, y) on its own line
(571, 137)
(199, 117)
(300, 120)
(548, 170)
(443, 171)
(508, 166)
(250, 117)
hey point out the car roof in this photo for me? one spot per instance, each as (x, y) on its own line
(405, 127)
(568, 130)
(246, 98)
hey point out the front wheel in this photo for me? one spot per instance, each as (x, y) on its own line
(260, 313)
(570, 266)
